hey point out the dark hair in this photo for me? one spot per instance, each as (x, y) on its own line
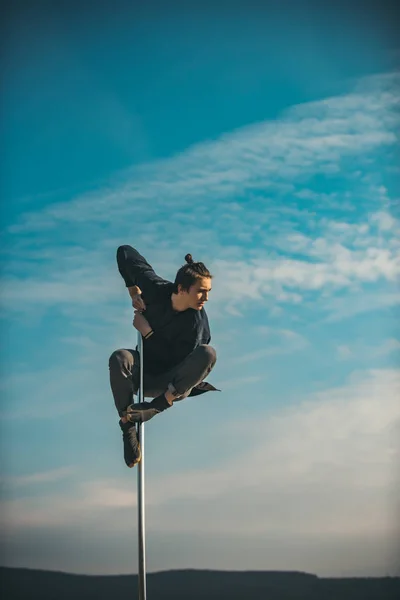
(189, 273)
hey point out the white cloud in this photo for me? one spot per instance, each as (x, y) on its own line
(387, 347)
(290, 251)
(368, 352)
(384, 220)
(54, 391)
(358, 303)
(344, 352)
(326, 466)
(59, 474)
(309, 138)
(326, 265)
(235, 382)
(275, 342)
(333, 267)
(321, 472)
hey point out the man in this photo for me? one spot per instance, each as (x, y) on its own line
(176, 336)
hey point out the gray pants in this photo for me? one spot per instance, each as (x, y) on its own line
(124, 375)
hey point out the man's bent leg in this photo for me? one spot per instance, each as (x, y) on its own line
(179, 383)
(123, 365)
(192, 371)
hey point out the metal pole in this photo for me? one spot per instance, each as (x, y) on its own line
(140, 489)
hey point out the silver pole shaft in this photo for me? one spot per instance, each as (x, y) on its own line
(140, 487)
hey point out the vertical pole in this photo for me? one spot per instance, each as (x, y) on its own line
(140, 489)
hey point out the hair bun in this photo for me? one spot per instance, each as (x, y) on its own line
(189, 258)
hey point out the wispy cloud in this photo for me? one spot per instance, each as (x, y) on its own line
(325, 467)
(296, 221)
(282, 242)
(387, 347)
(235, 382)
(277, 341)
(54, 392)
(15, 481)
(344, 352)
(357, 303)
(359, 349)
(309, 138)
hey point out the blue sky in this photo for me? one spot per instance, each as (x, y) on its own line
(264, 142)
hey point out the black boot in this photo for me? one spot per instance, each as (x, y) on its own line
(132, 452)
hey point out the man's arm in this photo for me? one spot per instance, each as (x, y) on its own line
(136, 271)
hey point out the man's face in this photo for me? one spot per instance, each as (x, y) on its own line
(198, 293)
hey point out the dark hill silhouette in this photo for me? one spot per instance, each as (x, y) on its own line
(29, 584)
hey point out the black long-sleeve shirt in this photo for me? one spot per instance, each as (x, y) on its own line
(176, 334)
